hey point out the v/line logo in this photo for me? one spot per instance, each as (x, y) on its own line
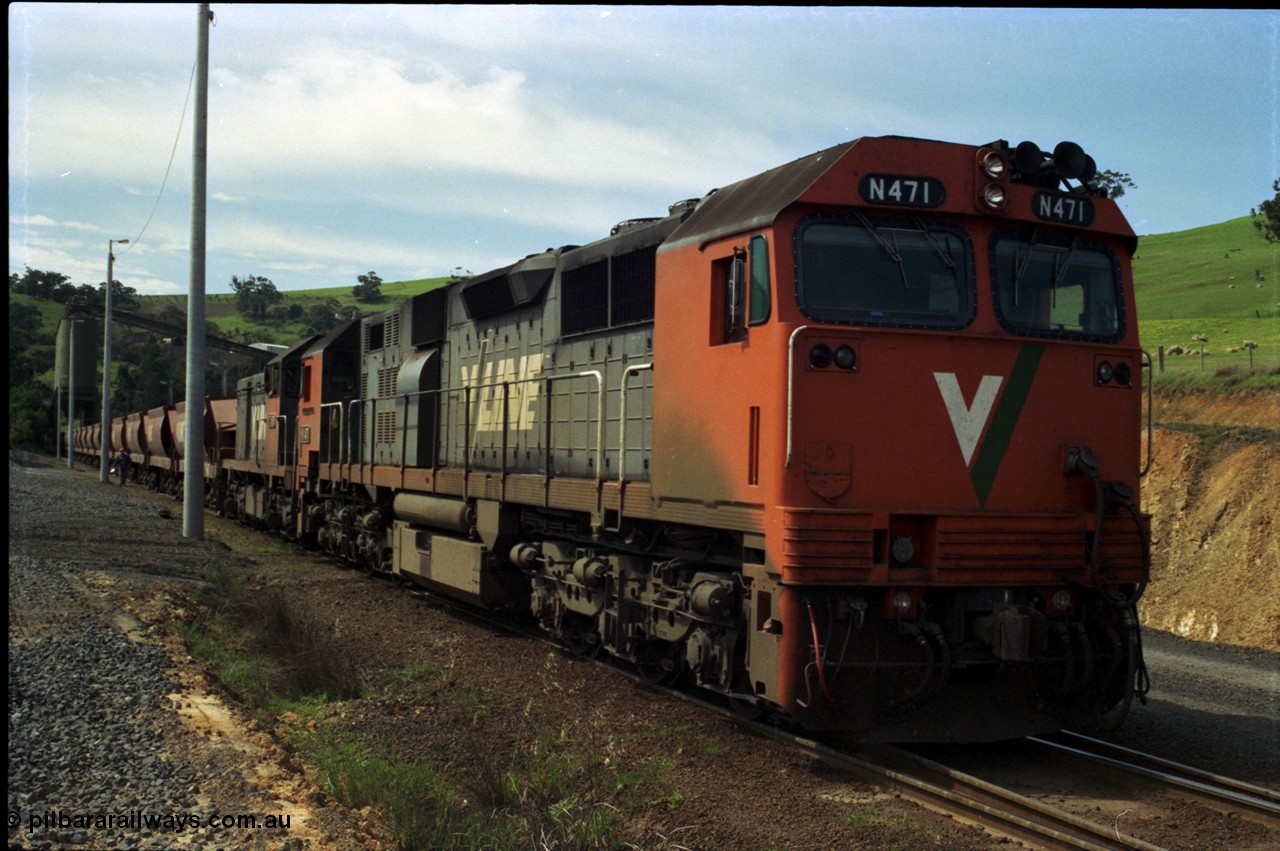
(970, 419)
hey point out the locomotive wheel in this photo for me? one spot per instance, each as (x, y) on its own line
(748, 709)
(659, 663)
(578, 636)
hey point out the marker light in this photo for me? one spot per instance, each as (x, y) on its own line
(1124, 374)
(820, 356)
(902, 602)
(846, 357)
(993, 196)
(1062, 601)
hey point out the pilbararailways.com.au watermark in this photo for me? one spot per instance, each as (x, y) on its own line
(43, 821)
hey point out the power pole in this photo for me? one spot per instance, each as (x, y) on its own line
(105, 473)
(193, 471)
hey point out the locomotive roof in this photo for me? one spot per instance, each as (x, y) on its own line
(756, 201)
(319, 345)
(296, 350)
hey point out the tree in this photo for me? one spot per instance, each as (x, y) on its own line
(34, 282)
(369, 288)
(24, 332)
(320, 318)
(254, 294)
(1266, 218)
(122, 296)
(1112, 184)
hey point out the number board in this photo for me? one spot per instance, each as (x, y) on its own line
(902, 190)
(1067, 209)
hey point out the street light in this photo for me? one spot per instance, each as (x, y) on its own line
(71, 393)
(105, 473)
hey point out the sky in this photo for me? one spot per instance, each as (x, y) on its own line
(411, 141)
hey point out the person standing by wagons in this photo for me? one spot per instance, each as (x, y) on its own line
(121, 465)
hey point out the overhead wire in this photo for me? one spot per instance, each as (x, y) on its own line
(169, 168)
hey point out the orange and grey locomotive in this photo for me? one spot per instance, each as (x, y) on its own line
(855, 441)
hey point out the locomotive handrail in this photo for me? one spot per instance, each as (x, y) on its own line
(590, 373)
(352, 437)
(260, 446)
(404, 431)
(282, 440)
(466, 390)
(1149, 366)
(342, 427)
(622, 415)
(791, 386)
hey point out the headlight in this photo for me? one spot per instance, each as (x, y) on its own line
(1105, 372)
(994, 165)
(902, 602)
(993, 195)
(1062, 601)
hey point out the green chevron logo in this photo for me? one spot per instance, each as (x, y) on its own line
(970, 419)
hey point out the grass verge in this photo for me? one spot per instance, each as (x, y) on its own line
(552, 790)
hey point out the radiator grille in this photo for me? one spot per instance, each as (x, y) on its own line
(1049, 542)
(387, 383)
(385, 428)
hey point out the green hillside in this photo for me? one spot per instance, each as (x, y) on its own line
(287, 322)
(1208, 271)
(1221, 281)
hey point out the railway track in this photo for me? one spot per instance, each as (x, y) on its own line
(968, 799)
(1256, 802)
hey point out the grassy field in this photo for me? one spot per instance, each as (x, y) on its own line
(1211, 271)
(1223, 282)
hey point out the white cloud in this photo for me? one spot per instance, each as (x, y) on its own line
(424, 137)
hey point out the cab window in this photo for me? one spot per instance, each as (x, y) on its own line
(759, 301)
(741, 292)
(852, 270)
(1056, 287)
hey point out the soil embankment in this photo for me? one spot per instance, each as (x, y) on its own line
(1214, 496)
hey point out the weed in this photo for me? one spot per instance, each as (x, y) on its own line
(714, 748)
(265, 645)
(858, 819)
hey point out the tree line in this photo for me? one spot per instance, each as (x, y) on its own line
(148, 369)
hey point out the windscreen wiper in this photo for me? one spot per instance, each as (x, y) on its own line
(943, 257)
(1061, 271)
(890, 251)
(1021, 268)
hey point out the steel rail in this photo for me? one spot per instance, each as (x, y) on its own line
(968, 799)
(1213, 788)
